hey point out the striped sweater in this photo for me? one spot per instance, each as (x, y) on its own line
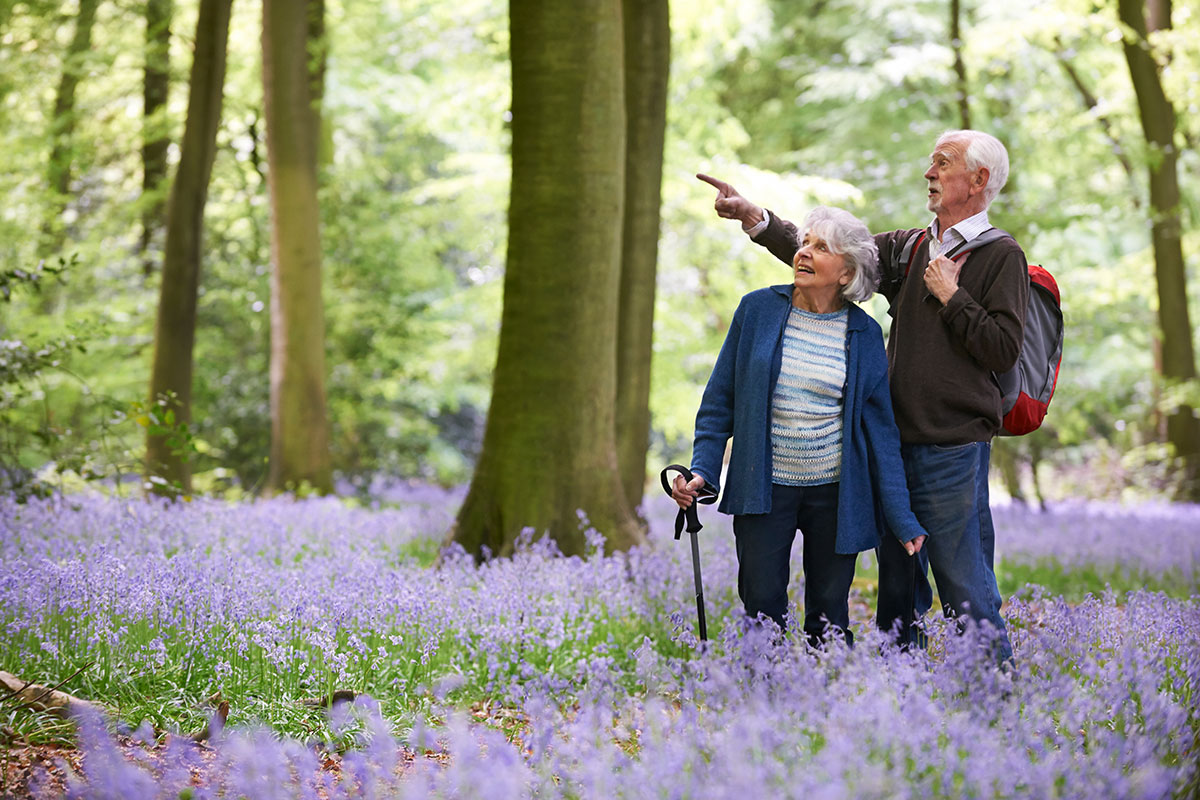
(806, 406)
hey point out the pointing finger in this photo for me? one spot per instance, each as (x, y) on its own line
(719, 185)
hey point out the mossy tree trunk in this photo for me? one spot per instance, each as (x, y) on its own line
(962, 95)
(549, 448)
(647, 63)
(1158, 125)
(299, 425)
(156, 85)
(167, 471)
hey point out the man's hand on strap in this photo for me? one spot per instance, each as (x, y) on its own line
(941, 277)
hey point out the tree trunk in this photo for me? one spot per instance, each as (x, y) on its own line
(62, 129)
(1006, 455)
(549, 449)
(175, 330)
(960, 67)
(647, 62)
(318, 44)
(156, 86)
(299, 428)
(1158, 125)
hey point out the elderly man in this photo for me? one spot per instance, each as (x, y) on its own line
(954, 323)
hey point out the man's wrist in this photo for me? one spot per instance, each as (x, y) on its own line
(755, 221)
(949, 303)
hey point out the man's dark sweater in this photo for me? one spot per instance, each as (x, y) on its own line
(941, 358)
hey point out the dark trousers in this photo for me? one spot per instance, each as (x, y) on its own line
(764, 548)
(948, 486)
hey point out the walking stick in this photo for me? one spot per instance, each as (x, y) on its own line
(912, 634)
(692, 518)
(910, 607)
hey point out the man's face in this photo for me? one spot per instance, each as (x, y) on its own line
(950, 183)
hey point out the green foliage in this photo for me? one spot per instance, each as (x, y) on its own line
(796, 102)
(29, 366)
(14, 277)
(158, 418)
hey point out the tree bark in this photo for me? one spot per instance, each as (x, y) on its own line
(155, 89)
(175, 330)
(960, 67)
(318, 44)
(62, 128)
(1158, 125)
(549, 448)
(647, 64)
(299, 427)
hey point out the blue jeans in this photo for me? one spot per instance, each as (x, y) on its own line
(948, 485)
(764, 548)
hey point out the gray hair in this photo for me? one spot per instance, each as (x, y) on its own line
(983, 150)
(848, 237)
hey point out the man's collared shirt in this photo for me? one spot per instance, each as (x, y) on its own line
(959, 233)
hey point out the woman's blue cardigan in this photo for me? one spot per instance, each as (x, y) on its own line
(737, 403)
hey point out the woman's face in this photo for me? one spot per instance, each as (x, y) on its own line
(815, 266)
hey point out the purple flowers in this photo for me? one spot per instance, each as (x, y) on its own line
(544, 676)
(1153, 540)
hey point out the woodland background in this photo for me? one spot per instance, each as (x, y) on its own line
(418, 222)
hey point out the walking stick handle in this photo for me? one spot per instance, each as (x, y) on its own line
(689, 514)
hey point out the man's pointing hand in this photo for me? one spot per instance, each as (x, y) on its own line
(731, 205)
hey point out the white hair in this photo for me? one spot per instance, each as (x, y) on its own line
(848, 237)
(983, 150)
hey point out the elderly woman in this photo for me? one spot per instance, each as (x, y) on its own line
(801, 385)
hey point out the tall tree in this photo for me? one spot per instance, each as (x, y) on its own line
(156, 85)
(549, 447)
(1158, 126)
(647, 33)
(960, 66)
(62, 127)
(175, 330)
(292, 65)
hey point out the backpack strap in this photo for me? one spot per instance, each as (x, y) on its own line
(903, 258)
(895, 271)
(909, 251)
(985, 238)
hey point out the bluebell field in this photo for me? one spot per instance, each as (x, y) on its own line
(543, 676)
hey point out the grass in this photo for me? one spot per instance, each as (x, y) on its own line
(1075, 585)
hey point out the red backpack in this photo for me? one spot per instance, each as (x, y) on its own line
(1027, 388)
